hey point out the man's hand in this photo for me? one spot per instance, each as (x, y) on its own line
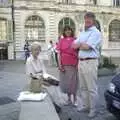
(61, 68)
(81, 46)
(84, 46)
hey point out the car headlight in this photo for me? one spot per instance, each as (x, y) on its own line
(111, 88)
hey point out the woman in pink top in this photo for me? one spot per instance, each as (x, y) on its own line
(68, 62)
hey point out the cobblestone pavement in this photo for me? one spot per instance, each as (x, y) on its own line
(13, 81)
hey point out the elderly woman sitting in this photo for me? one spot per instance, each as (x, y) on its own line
(35, 66)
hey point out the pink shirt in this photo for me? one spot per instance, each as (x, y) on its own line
(68, 55)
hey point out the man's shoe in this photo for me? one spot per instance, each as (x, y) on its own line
(92, 114)
(75, 104)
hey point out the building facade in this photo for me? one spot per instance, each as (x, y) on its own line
(43, 20)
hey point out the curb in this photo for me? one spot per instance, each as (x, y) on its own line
(106, 72)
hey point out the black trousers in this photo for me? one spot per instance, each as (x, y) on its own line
(56, 58)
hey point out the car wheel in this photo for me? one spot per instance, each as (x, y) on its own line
(117, 116)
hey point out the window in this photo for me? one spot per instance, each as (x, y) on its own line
(116, 3)
(114, 31)
(67, 1)
(3, 29)
(95, 2)
(3, 39)
(64, 22)
(91, 2)
(35, 29)
(4, 2)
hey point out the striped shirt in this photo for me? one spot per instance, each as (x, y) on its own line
(92, 37)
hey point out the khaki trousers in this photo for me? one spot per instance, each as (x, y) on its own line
(88, 89)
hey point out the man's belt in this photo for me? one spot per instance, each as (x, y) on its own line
(82, 59)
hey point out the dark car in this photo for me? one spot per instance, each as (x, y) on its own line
(112, 96)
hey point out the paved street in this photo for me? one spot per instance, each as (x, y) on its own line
(13, 81)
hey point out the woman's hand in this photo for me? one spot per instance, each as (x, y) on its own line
(33, 76)
(75, 46)
(61, 68)
(36, 76)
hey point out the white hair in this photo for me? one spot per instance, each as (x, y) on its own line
(35, 45)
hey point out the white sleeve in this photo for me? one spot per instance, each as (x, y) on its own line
(29, 68)
(43, 66)
(49, 47)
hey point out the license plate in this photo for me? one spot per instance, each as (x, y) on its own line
(116, 104)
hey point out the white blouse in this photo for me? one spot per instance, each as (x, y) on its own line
(34, 66)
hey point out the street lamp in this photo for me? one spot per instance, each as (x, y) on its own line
(13, 28)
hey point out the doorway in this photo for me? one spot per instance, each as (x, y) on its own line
(3, 51)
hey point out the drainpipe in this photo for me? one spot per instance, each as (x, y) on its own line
(13, 29)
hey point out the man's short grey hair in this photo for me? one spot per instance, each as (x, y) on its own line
(90, 15)
(35, 45)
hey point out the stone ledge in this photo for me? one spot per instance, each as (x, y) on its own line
(43, 110)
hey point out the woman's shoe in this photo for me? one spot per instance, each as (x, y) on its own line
(75, 104)
(68, 103)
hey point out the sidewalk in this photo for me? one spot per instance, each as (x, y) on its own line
(13, 80)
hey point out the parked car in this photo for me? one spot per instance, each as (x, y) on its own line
(112, 96)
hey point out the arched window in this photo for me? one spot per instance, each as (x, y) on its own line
(35, 29)
(3, 29)
(65, 22)
(114, 31)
